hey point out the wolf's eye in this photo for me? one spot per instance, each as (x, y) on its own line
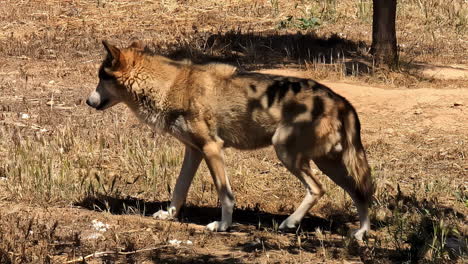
(103, 75)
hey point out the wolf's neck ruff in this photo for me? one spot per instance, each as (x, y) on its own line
(149, 88)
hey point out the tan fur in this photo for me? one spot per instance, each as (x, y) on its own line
(213, 106)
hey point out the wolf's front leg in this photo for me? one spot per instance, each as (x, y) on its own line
(215, 161)
(190, 165)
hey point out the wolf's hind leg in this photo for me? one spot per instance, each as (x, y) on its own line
(336, 170)
(192, 160)
(215, 161)
(298, 164)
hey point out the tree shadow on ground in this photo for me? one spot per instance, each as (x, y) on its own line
(274, 49)
(255, 50)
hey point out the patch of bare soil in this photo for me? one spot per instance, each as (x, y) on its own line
(443, 72)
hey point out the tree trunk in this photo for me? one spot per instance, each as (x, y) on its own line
(384, 43)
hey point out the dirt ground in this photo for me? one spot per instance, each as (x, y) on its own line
(79, 186)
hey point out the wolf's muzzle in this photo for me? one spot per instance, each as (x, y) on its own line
(97, 104)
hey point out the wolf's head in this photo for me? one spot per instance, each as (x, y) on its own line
(110, 89)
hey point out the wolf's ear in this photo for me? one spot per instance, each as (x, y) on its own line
(118, 58)
(111, 50)
(139, 45)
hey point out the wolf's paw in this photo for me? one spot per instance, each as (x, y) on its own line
(165, 215)
(217, 226)
(288, 224)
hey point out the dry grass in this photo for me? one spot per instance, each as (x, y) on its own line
(56, 154)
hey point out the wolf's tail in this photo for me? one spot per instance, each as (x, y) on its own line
(354, 158)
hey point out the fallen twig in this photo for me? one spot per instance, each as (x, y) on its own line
(123, 253)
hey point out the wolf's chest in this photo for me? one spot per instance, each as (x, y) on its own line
(170, 123)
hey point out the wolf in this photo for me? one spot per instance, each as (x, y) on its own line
(212, 106)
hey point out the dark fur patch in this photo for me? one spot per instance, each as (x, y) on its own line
(253, 104)
(319, 107)
(283, 88)
(172, 116)
(103, 75)
(296, 87)
(279, 89)
(271, 93)
(291, 110)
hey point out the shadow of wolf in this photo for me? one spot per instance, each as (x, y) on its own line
(203, 214)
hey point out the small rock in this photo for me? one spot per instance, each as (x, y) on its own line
(457, 104)
(417, 111)
(51, 82)
(98, 225)
(174, 242)
(50, 103)
(25, 116)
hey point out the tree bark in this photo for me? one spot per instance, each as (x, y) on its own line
(384, 42)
